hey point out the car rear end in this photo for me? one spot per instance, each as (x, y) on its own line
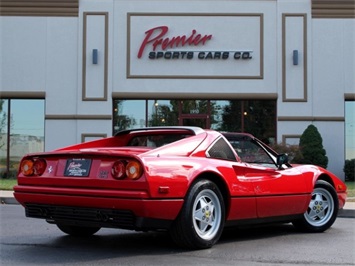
(95, 187)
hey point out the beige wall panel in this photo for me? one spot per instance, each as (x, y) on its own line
(95, 36)
(294, 66)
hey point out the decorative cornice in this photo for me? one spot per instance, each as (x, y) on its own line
(349, 96)
(41, 8)
(311, 118)
(182, 96)
(22, 94)
(78, 117)
(333, 8)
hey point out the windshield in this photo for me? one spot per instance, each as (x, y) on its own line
(252, 151)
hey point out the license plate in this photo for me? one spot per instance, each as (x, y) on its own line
(77, 167)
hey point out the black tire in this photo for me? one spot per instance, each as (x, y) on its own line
(78, 230)
(322, 210)
(201, 220)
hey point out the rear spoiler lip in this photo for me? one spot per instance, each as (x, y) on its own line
(112, 152)
(194, 130)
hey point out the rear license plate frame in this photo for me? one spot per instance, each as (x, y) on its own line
(77, 167)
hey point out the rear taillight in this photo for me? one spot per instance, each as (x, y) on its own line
(33, 167)
(133, 170)
(127, 169)
(118, 169)
(27, 167)
(39, 166)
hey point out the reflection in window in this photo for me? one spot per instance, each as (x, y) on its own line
(162, 113)
(155, 140)
(21, 132)
(195, 106)
(349, 130)
(257, 117)
(3, 137)
(128, 114)
(220, 117)
(250, 151)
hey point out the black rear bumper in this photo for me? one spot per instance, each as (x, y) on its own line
(93, 217)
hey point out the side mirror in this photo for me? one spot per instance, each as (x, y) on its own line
(281, 159)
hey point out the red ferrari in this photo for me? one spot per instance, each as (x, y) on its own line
(186, 180)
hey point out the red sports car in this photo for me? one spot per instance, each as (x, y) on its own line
(187, 180)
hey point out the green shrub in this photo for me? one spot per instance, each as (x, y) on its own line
(311, 148)
(349, 170)
(12, 174)
(291, 150)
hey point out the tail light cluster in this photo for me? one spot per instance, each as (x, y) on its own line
(127, 169)
(121, 169)
(33, 167)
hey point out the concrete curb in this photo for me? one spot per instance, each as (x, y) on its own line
(7, 197)
(8, 200)
(346, 213)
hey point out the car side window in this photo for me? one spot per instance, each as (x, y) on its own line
(250, 152)
(221, 150)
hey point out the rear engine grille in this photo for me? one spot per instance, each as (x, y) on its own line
(82, 216)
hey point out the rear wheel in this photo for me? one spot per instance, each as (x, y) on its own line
(201, 221)
(322, 210)
(78, 230)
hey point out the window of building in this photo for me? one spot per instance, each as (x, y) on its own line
(257, 117)
(349, 130)
(21, 132)
(128, 114)
(162, 113)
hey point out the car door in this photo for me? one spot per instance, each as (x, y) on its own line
(277, 192)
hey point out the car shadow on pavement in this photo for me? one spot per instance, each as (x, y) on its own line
(153, 248)
(246, 233)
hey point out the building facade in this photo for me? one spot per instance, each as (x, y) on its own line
(269, 67)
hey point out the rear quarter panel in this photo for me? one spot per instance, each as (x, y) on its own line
(177, 174)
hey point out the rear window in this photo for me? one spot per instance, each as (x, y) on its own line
(153, 141)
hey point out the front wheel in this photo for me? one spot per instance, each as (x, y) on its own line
(78, 230)
(201, 220)
(322, 210)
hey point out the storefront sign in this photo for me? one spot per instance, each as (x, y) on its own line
(201, 55)
(194, 46)
(156, 39)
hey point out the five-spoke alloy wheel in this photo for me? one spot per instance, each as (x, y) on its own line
(322, 209)
(201, 221)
